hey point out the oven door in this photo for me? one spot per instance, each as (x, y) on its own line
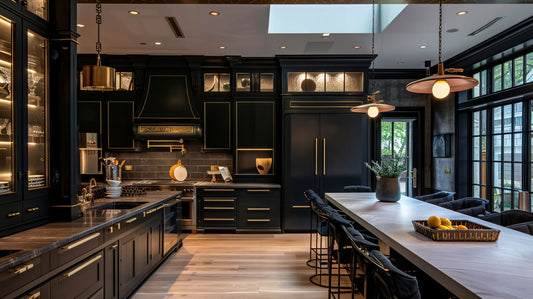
(172, 229)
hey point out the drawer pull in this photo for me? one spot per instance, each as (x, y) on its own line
(225, 200)
(110, 229)
(301, 207)
(219, 219)
(114, 246)
(22, 269)
(32, 296)
(258, 209)
(219, 208)
(83, 266)
(258, 190)
(219, 190)
(149, 212)
(131, 220)
(32, 209)
(258, 220)
(13, 214)
(80, 242)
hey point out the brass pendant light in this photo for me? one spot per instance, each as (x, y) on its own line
(441, 84)
(98, 77)
(374, 108)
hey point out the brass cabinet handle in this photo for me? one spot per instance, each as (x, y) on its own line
(301, 207)
(219, 208)
(13, 214)
(219, 219)
(316, 156)
(258, 220)
(32, 209)
(258, 190)
(114, 246)
(131, 220)
(80, 242)
(110, 229)
(324, 156)
(22, 269)
(258, 209)
(35, 295)
(219, 190)
(150, 211)
(82, 266)
(214, 199)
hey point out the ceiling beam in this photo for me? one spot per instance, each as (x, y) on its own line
(305, 1)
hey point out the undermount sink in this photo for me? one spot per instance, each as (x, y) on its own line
(119, 205)
(7, 252)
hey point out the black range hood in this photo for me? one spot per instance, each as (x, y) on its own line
(167, 112)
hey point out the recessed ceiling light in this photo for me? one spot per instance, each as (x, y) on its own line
(283, 47)
(81, 25)
(357, 47)
(158, 43)
(214, 13)
(133, 12)
(325, 34)
(462, 13)
(222, 47)
(423, 46)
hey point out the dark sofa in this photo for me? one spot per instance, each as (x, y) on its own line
(472, 206)
(514, 219)
(437, 198)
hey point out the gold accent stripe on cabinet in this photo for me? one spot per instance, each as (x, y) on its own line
(258, 209)
(223, 200)
(258, 190)
(219, 208)
(80, 242)
(219, 219)
(219, 190)
(258, 220)
(301, 207)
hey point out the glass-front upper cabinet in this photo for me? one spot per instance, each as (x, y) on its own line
(38, 7)
(325, 82)
(37, 111)
(254, 82)
(6, 106)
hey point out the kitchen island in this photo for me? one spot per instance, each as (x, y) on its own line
(57, 256)
(500, 269)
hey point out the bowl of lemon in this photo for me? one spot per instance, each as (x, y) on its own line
(443, 229)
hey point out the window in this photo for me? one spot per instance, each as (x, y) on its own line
(479, 154)
(529, 67)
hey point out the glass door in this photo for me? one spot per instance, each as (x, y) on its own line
(6, 107)
(397, 142)
(37, 108)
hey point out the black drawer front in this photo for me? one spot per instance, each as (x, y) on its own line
(18, 276)
(113, 231)
(75, 249)
(297, 217)
(34, 210)
(82, 280)
(224, 192)
(219, 213)
(218, 222)
(259, 193)
(40, 292)
(10, 214)
(258, 218)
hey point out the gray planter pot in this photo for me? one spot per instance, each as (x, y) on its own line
(388, 189)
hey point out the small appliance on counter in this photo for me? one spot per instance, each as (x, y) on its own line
(89, 153)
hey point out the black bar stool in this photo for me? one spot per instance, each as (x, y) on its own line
(318, 229)
(339, 254)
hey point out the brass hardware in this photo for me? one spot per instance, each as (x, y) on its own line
(219, 219)
(80, 242)
(131, 220)
(219, 208)
(114, 246)
(301, 207)
(118, 226)
(13, 214)
(149, 212)
(324, 156)
(22, 269)
(258, 190)
(414, 177)
(316, 156)
(110, 229)
(35, 295)
(32, 209)
(82, 266)
(65, 39)
(219, 190)
(226, 200)
(258, 220)
(258, 209)
(150, 129)
(171, 144)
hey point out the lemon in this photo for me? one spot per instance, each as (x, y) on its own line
(442, 227)
(450, 227)
(433, 221)
(462, 227)
(445, 221)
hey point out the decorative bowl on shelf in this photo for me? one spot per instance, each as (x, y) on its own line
(245, 82)
(263, 165)
(308, 85)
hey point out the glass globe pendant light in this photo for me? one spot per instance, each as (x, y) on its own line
(374, 108)
(441, 84)
(98, 77)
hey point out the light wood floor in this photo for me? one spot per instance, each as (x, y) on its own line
(236, 266)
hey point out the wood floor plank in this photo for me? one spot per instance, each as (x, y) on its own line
(235, 266)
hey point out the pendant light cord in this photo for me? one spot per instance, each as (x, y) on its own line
(373, 60)
(98, 22)
(440, 31)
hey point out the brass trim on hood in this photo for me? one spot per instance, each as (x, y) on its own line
(147, 129)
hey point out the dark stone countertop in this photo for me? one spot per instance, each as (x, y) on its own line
(36, 241)
(200, 184)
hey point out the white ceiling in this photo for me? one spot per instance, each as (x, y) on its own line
(243, 30)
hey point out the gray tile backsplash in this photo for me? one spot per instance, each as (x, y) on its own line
(155, 164)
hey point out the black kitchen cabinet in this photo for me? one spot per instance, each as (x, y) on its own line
(323, 152)
(259, 208)
(134, 259)
(41, 292)
(217, 125)
(83, 280)
(255, 124)
(119, 125)
(216, 208)
(111, 259)
(156, 242)
(90, 117)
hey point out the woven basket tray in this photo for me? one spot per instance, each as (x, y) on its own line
(475, 232)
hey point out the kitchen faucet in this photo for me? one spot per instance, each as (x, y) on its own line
(92, 184)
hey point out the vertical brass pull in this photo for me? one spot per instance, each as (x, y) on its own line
(316, 156)
(324, 156)
(414, 178)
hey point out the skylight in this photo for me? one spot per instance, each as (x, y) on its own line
(331, 18)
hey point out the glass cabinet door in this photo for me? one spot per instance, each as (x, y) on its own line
(37, 111)
(6, 106)
(38, 7)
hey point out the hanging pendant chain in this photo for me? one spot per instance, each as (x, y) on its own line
(440, 31)
(373, 18)
(98, 22)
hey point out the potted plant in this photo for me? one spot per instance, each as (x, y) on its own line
(388, 177)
